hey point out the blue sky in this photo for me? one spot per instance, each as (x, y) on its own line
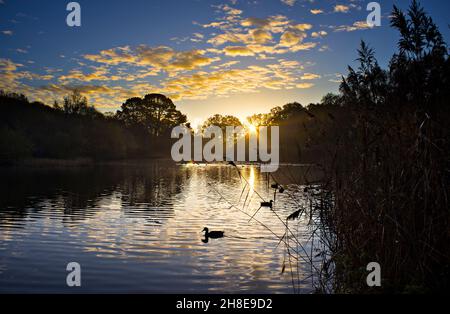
(229, 56)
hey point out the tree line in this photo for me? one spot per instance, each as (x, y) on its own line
(140, 129)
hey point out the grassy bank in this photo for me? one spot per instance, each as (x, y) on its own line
(386, 194)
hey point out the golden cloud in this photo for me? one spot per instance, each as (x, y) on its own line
(231, 81)
(289, 38)
(310, 76)
(316, 11)
(319, 34)
(156, 58)
(341, 8)
(359, 25)
(305, 85)
(238, 51)
(289, 2)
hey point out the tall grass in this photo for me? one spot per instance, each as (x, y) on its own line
(390, 177)
(387, 201)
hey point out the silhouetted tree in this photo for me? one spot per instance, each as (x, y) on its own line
(420, 71)
(221, 121)
(40, 131)
(331, 99)
(260, 119)
(156, 113)
(366, 86)
(75, 103)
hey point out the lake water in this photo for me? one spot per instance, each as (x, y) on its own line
(138, 229)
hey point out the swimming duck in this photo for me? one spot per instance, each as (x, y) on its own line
(213, 234)
(267, 204)
(278, 187)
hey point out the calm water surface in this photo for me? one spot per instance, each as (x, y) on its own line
(138, 229)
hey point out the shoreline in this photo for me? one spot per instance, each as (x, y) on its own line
(89, 162)
(76, 162)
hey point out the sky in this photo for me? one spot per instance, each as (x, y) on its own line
(236, 57)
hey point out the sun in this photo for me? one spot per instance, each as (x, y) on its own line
(252, 128)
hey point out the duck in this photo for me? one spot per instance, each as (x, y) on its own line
(277, 186)
(213, 234)
(263, 204)
(267, 204)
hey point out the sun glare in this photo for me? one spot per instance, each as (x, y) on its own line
(252, 128)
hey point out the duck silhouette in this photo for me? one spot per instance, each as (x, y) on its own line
(263, 204)
(213, 234)
(267, 204)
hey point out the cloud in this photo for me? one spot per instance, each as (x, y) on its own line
(316, 11)
(249, 30)
(197, 37)
(305, 85)
(225, 82)
(7, 32)
(238, 51)
(99, 74)
(229, 10)
(156, 59)
(11, 76)
(235, 38)
(225, 65)
(324, 48)
(340, 8)
(334, 78)
(359, 25)
(102, 96)
(273, 24)
(302, 27)
(319, 34)
(289, 2)
(258, 37)
(289, 38)
(294, 35)
(113, 56)
(8, 66)
(310, 76)
(189, 60)
(84, 89)
(261, 36)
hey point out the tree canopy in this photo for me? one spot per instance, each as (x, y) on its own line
(221, 121)
(155, 112)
